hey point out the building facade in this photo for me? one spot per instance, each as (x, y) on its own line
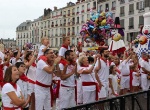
(8, 43)
(67, 21)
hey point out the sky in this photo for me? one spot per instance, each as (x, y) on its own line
(14, 12)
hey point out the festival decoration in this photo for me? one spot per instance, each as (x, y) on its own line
(143, 40)
(29, 46)
(97, 29)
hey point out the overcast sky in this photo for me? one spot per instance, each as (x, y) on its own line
(14, 12)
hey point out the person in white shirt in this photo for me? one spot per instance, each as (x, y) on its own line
(12, 97)
(24, 84)
(67, 93)
(16, 57)
(113, 82)
(43, 87)
(44, 46)
(145, 70)
(102, 75)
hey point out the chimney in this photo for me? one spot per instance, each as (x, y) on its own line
(55, 8)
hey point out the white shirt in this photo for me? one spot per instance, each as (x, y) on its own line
(25, 88)
(88, 78)
(31, 74)
(103, 73)
(70, 81)
(136, 79)
(114, 79)
(124, 68)
(40, 50)
(62, 51)
(145, 65)
(41, 75)
(5, 98)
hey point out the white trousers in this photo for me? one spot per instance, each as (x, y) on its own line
(42, 98)
(66, 97)
(145, 83)
(89, 96)
(125, 82)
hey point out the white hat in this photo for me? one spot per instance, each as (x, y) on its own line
(146, 18)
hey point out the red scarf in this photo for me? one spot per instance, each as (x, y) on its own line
(24, 77)
(66, 47)
(42, 58)
(104, 60)
(14, 85)
(84, 65)
(64, 62)
(145, 60)
(34, 64)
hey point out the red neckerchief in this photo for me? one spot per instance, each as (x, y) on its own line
(34, 64)
(65, 46)
(7, 64)
(145, 60)
(104, 60)
(64, 62)
(42, 58)
(84, 65)
(24, 77)
(14, 85)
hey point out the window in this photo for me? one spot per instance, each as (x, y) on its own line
(88, 16)
(60, 41)
(94, 4)
(88, 6)
(107, 7)
(77, 19)
(82, 7)
(77, 29)
(77, 9)
(131, 9)
(52, 42)
(147, 3)
(113, 4)
(141, 20)
(73, 10)
(100, 8)
(122, 13)
(131, 23)
(141, 5)
(73, 41)
(131, 36)
(122, 23)
(82, 18)
(68, 11)
(56, 43)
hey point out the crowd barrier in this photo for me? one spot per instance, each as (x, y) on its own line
(132, 101)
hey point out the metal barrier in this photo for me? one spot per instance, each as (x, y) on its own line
(132, 101)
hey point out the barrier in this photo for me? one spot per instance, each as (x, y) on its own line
(132, 101)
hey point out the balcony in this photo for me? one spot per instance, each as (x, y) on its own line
(122, 1)
(99, 1)
(73, 33)
(56, 25)
(73, 13)
(78, 2)
(68, 23)
(82, 11)
(82, 0)
(141, 10)
(82, 22)
(41, 27)
(131, 27)
(77, 22)
(94, 8)
(88, 9)
(69, 14)
(122, 14)
(77, 13)
(131, 12)
(73, 23)
(113, 8)
(106, 10)
(64, 24)
(64, 34)
(60, 24)
(64, 15)
(68, 34)
(131, 0)
(56, 34)
(52, 25)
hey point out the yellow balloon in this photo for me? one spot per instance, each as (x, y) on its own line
(117, 37)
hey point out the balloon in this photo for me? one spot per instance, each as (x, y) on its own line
(143, 40)
(117, 37)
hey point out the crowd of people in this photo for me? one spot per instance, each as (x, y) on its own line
(33, 80)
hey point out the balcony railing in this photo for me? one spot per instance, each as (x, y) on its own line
(141, 10)
(68, 34)
(113, 8)
(73, 33)
(77, 22)
(73, 23)
(56, 34)
(82, 22)
(82, 0)
(122, 1)
(77, 2)
(69, 14)
(131, 27)
(68, 23)
(77, 13)
(64, 15)
(64, 34)
(64, 24)
(60, 24)
(52, 25)
(131, 12)
(73, 13)
(122, 14)
(88, 9)
(106, 10)
(94, 8)
(82, 11)
(56, 25)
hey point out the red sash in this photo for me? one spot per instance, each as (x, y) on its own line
(47, 86)
(26, 79)
(11, 108)
(90, 84)
(58, 87)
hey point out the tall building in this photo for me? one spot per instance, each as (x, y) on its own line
(8, 43)
(67, 21)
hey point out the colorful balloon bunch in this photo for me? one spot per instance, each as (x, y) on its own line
(97, 29)
(29, 45)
